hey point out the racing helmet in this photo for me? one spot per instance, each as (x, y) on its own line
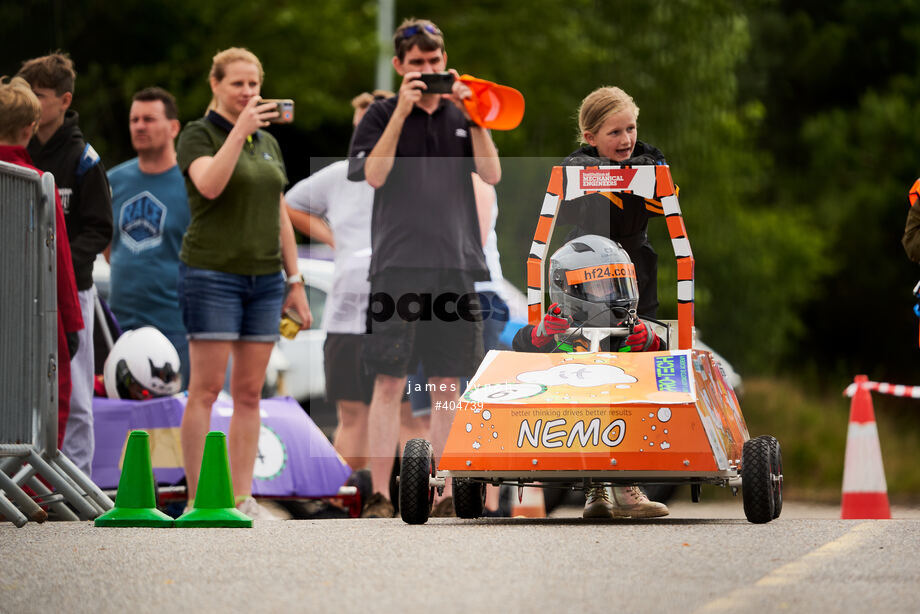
(141, 365)
(594, 282)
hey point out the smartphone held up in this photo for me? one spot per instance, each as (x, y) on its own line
(437, 82)
(285, 107)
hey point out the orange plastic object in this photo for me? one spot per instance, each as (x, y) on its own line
(493, 106)
(914, 194)
(606, 411)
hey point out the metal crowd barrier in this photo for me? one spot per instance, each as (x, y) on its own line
(33, 472)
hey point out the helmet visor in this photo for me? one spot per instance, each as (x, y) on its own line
(128, 386)
(608, 283)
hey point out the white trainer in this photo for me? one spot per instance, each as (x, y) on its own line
(597, 503)
(254, 510)
(631, 502)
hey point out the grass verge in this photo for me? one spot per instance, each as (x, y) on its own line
(812, 429)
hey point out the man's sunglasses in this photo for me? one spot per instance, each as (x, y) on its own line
(413, 30)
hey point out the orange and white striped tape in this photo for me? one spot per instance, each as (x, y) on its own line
(897, 390)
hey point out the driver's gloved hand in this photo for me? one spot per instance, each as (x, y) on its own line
(553, 323)
(641, 340)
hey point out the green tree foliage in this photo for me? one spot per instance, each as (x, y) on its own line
(840, 83)
(680, 61)
(319, 53)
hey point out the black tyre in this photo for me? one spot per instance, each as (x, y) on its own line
(553, 497)
(469, 498)
(415, 493)
(757, 480)
(776, 468)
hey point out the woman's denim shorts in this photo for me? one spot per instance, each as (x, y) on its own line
(228, 307)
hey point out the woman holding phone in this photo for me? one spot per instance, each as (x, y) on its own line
(238, 256)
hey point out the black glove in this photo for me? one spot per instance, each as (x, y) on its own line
(73, 343)
(644, 159)
(584, 159)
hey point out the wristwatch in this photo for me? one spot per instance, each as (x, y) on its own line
(296, 278)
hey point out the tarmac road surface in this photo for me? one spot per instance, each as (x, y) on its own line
(702, 558)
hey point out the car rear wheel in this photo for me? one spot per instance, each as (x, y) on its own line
(469, 498)
(776, 468)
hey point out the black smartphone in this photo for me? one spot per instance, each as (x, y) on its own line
(438, 82)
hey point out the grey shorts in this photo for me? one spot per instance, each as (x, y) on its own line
(346, 377)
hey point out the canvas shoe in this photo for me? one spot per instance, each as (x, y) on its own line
(631, 502)
(254, 510)
(597, 503)
(377, 506)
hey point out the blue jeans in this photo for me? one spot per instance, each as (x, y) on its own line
(228, 307)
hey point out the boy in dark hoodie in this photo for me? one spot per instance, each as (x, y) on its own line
(59, 148)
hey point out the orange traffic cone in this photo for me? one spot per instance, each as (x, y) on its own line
(865, 494)
(529, 503)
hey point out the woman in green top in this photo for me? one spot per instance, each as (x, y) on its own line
(231, 285)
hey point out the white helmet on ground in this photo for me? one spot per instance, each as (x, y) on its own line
(142, 364)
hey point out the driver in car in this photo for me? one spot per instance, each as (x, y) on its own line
(593, 284)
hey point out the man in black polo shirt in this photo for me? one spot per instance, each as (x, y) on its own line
(418, 151)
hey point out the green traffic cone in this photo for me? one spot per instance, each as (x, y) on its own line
(136, 499)
(214, 503)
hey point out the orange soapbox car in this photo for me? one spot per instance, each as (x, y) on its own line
(583, 419)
